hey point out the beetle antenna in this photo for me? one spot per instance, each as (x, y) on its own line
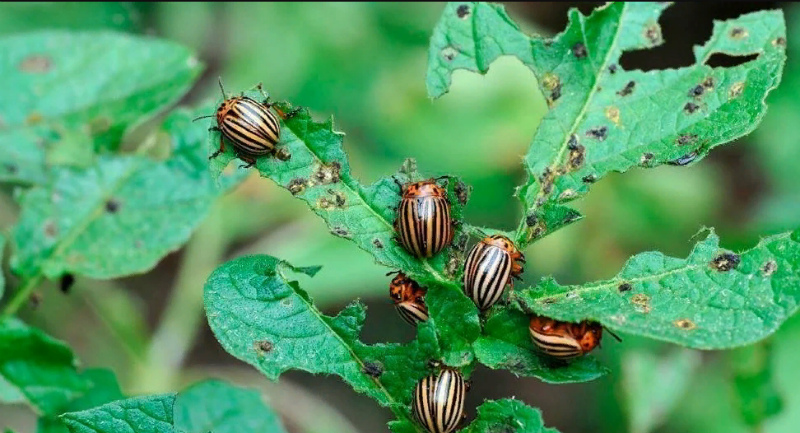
(222, 89)
(399, 185)
(613, 334)
(202, 117)
(392, 272)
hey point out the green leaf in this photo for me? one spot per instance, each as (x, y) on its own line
(21, 17)
(39, 367)
(756, 395)
(508, 415)
(266, 320)
(120, 216)
(103, 388)
(603, 118)
(151, 414)
(318, 173)
(215, 406)
(506, 344)
(653, 385)
(2, 278)
(714, 299)
(64, 88)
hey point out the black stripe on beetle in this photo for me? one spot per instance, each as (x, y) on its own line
(490, 266)
(439, 401)
(423, 221)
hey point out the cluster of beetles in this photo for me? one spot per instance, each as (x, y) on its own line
(424, 228)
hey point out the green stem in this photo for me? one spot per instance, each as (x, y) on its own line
(180, 323)
(21, 295)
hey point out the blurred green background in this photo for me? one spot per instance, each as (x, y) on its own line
(364, 64)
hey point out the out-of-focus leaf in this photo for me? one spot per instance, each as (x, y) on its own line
(506, 344)
(266, 320)
(62, 88)
(120, 216)
(603, 118)
(17, 17)
(653, 385)
(216, 406)
(756, 395)
(39, 367)
(714, 299)
(2, 278)
(103, 388)
(151, 414)
(508, 415)
(318, 173)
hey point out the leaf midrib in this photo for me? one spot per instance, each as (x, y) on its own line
(367, 204)
(393, 403)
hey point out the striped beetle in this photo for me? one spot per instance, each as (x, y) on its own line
(249, 125)
(490, 265)
(565, 340)
(423, 218)
(439, 400)
(409, 298)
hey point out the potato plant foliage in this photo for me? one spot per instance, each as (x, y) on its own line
(91, 208)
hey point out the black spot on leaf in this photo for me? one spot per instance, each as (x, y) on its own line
(624, 287)
(589, 178)
(374, 369)
(462, 192)
(690, 107)
(769, 268)
(378, 244)
(628, 89)
(686, 139)
(779, 42)
(112, 206)
(598, 132)
(10, 168)
(296, 185)
(462, 11)
(696, 91)
(738, 33)
(646, 158)
(685, 324)
(549, 301)
(339, 231)
(263, 346)
(725, 262)
(683, 160)
(612, 69)
(283, 154)
(531, 220)
(579, 50)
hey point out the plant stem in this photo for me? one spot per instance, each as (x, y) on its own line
(21, 295)
(180, 322)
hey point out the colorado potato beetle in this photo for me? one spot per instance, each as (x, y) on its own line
(565, 340)
(490, 265)
(249, 125)
(409, 298)
(423, 218)
(439, 400)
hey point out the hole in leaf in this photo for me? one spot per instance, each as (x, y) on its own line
(684, 25)
(722, 60)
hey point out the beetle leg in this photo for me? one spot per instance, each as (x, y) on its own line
(220, 150)
(399, 185)
(214, 129)
(249, 160)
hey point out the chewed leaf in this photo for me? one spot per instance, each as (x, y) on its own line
(508, 415)
(506, 344)
(121, 215)
(603, 118)
(266, 320)
(66, 89)
(312, 165)
(714, 299)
